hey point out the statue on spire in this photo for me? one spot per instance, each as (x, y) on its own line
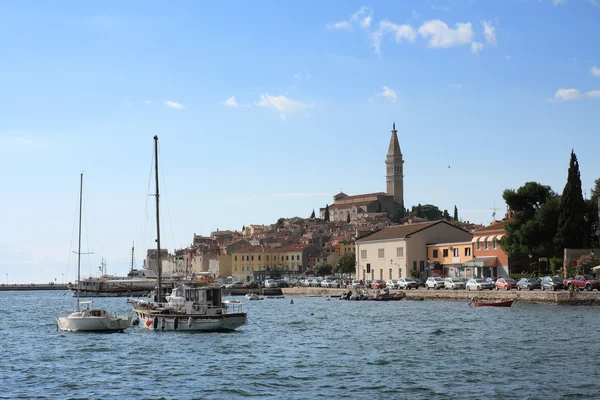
(393, 126)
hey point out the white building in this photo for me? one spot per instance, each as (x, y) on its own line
(394, 252)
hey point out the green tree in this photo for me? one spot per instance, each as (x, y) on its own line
(420, 211)
(571, 231)
(399, 215)
(446, 216)
(596, 190)
(327, 212)
(324, 269)
(531, 231)
(348, 218)
(455, 214)
(313, 214)
(280, 221)
(243, 228)
(346, 264)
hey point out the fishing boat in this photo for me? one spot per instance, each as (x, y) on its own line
(253, 296)
(90, 320)
(189, 307)
(492, 303)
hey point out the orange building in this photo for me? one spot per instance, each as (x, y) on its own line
(489, 258)
(447, 259)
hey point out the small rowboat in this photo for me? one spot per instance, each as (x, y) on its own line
(492, 303)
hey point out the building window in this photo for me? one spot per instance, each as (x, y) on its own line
(380, 253)
(236, 268)
(422, 265)
(494, 244)
(390, 273)
(363, 254)
(467, 251)
(445, 253)
(242, 258)
(258, 258)
(235, 258)
(485, 245)
(478, 245)
(399, 252)
(242, 268)
(435, 253)
(456, 252)
(287, 257)
(267, 258)
(252, 258)
(414, 265)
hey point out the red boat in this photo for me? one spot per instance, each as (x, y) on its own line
(387, 297)
(492, 303)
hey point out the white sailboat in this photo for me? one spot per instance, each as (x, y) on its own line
(190, 307)
(90, 320)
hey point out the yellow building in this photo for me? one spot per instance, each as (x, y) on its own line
(345, 246)
(289, 259)
(446, 259)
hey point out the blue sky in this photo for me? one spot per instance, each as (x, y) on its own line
(266, 109)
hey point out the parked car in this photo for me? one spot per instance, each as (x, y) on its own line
(454, 283)
(434, 282)
(529, 284)
(552, 283)
(355, 283)
(377, 284)
(582, 282)
(235, 285)
(506, 283)
(392, 284)
(407, 283)
(315, 282)
(478, 284)
(330, 283)
(272, 283)
(251, 285)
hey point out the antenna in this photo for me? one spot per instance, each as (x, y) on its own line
(494, 212)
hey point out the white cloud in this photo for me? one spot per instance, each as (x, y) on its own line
(174, 104)
(401, 33)
(362, 17)
(593, 93)
(558, 2)
(440, 35)
(507, 58)
(595, 71)
(489, 32)
(456, 85)
(595, 3)
(231, 102)
(389, 94)
(281, 103)
(440, 8)
(566, 94)
(476, 47)
(147, 102)
(301, 76)
(128, 103)
(339, 25)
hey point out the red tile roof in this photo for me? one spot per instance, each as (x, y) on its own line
(498, 226)
(401, 231)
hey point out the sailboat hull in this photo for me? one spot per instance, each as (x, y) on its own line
(93, 324)
(197, 323)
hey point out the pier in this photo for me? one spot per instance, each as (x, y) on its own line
(33, 286)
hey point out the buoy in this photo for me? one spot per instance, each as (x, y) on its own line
(176, 323)
(155, 322)
(291, 301)
(190, 322)
(148, 323)
(312, 313)
(163, 323)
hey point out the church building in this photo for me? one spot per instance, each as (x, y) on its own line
(390, 201)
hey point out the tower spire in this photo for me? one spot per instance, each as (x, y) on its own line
(394, 143)
(395, 169)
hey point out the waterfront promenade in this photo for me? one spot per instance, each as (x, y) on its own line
(523, 296)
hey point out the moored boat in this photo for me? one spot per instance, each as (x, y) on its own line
(492, 303)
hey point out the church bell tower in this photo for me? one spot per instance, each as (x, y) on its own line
(394, 169)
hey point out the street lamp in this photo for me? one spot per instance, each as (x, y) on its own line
(530, 270)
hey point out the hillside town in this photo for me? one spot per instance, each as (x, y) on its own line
(388, 241)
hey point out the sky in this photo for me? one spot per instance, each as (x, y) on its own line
(266, 109)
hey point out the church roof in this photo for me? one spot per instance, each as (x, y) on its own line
(401, 231)
(358, 196)
(394, 143)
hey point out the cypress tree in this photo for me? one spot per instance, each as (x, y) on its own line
(348, 219)
(419, 211)
(455, 213)
(571, 221)
(327, 212)
(313, 214)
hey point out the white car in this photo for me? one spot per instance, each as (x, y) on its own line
(479, 284)
(355, 283)
(454, 283)
(271, 283)
(434, 282)
(407, 283)
(330, 283)
(392, 284)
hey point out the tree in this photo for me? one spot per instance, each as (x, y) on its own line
(446, 215)
(596, 190)
(591, 223)
(536, 209)
(399, 215)
(243, 228)
(280, 221)
(348, 219)
(571, 231)
(324, 269)
(378, 207)
(429, 212)
(420, 211)
(346, 264)
(455, 217)
(313, 214)
(327, 212)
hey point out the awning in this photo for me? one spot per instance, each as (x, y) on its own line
(481, 262)
(476, 239)
(484, 239)
(500, 236)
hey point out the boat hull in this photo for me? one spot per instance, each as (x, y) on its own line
(93, 324)
(493, 304)
(197, 323)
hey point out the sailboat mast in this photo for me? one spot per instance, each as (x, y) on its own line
(79, 245)
(132, 255)
(158, 258)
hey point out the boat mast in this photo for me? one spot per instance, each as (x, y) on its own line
(79, 246)
(132, 255)
(159, 268)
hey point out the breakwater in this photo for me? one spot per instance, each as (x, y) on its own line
(33, 286)
(523, 296)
